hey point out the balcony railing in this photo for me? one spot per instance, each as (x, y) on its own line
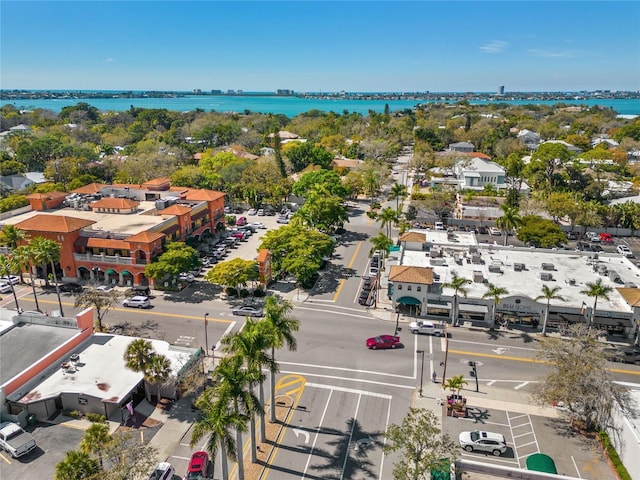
(109, 259)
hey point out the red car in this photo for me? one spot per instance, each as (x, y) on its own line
(198, 466)
(383, 341)
(606, 238)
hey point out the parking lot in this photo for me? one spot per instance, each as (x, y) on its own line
(528, 434)
(53, 442)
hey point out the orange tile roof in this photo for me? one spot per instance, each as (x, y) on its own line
(53, 223)
(413, 237)
(46, 196)
(157, 181)
(203, 195)
(630, 295)
(408, 274)
(118, 203)
(175, 210)
(89, 189)
(145, 237)
(104, 243)
(263, 255)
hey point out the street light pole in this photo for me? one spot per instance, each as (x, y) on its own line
(421, 352)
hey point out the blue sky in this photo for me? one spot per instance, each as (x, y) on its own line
(320, 46)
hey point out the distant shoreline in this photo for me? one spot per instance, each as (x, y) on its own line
(21, 95)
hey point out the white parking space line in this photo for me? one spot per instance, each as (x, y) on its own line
(226, 332)
(473, 420)
(331, 311)
(576, 466)
(353, 426)
(523, 384)
(349, 390)
(515, 448)
(526, 445)
(315, 438)
(342, 369)
(493, 458)
(519, 416)
(181, 458)
(522, 435)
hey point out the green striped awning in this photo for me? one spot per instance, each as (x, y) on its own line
(409, 301)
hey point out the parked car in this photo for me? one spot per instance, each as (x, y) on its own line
(252, 211)
(606, 238)
(104, 289)
(137, 302)
(15, 440)
(162, 471)
(482, 230)
(13, 279)
(259, 225)
(427, 327)
(383, 341)
(482, 441)
(260, 212)
(186, 277)
(494, 231)
(241, 221)
(572, 236)
(239, 235)
(198, 468)
(70, 287)
(248, 311)
(282, 219)
(373, 271)
(593, 237)
(623, 355)
(624, 250)
(5, 287)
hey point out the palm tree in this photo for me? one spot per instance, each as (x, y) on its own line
(455, 384)
(250, 344)
(597, 290)
(457, 285)
(25, 257)
(157, 371)
(371, 182)
(398, 192)
(388, 216)
(496, 294)
(509, 220)
(76, 466)
(548, 294)
(94, 439)
(49, 251)
(381, 242)
(8, 267)
(138, 355)
(11, 236)
(217, 420)
(234, 383)
(282, 328)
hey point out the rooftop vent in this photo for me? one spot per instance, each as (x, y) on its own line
(495, 267)
(476, 258)
(548, 266)
(478, 277)
(547, 277)
(519, 267)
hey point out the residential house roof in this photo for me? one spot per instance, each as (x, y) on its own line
(53, 223)
(12, 183)
(409, 274)
(89, 189)
(46, 196)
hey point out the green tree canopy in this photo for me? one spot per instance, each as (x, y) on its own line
(540, 232)
(177, 258)
(328, 179)
(233, 273)
(304, 154)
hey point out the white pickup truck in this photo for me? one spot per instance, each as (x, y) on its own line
(425, 326)
(15, 440)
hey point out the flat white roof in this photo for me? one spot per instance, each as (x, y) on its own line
(442, 237)
(571, 272)
(125, 223)
(101, 372)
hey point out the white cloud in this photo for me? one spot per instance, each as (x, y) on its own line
(497, 46)
(551, 53)
(108, 60)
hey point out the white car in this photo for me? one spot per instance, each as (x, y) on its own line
(495, 231)
(137, 302)
(261, 212)
(593, 237)
(104, 289)
(186, 277)
(624, 250)
(427, 327)
(13, 279)
(5, 287)
(481, 441)
(252, 211)
(259, 225)
(162, 471)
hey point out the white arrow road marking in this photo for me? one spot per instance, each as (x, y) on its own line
(500, 350)
(299, 432)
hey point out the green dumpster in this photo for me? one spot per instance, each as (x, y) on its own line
(31, 420)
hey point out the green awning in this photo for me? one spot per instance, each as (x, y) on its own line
(110, 271)
(126, 272)
(540, 462)
(409, 301)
